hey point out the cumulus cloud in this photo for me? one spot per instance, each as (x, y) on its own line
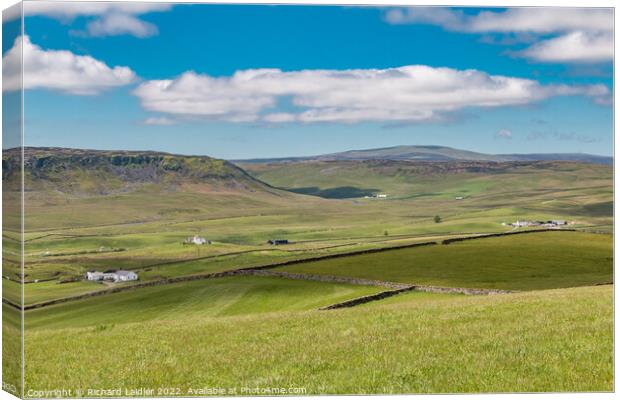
(576, 46)
(12, 13)
(414, 93)
(503, 134)
(119, 24)
(70, 9)
(532, 19)
(581, 35)
(110, 18)
(445, 17)
(59, 70)
(159, 121)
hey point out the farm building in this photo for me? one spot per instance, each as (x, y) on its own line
(544, 224)
(114, 276)
(277, 242)
(521, 223)
(199, 240)
(123, 276)
(459, 198)
(94, 276)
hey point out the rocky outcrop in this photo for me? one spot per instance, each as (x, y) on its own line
(78, 170)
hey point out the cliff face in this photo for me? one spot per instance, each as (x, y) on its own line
(76, 170)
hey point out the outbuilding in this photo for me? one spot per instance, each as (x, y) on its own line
(114, 276)
(277, 242)
(199, 240)
(122, 275)
(94, 276)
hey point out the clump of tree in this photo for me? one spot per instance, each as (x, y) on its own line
(385, 233)
(437, 219)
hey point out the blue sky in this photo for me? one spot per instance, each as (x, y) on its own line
(168, 80)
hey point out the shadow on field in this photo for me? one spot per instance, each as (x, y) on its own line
(341, 192)
(602, 209)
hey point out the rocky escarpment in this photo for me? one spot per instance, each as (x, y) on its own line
(77, 170)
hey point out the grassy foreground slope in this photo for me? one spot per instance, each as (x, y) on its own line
(518, 262)
(11, 350)
(211, 297)
(556, 340)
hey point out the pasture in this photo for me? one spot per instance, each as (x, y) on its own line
(533, 261)
(196, 299)
(523, 342)
(69, 234)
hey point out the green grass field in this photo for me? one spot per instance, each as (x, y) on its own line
(196, 299)
(556, 340)
(520, 262)
(11, 350)
(70, 233)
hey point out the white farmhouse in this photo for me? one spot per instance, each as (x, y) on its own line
(521, 223)
(116, 276)
(124, 276)
(199, 240)
(94, 276)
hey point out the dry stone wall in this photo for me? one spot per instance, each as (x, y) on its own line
(262, 270)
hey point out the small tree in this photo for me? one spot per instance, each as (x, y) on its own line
(437, 219)
(385, 233)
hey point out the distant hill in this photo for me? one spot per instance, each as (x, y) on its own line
(412, 153)
(103, 172)
(97, 172)
(434, 153)
(405, 179)
(578, 157)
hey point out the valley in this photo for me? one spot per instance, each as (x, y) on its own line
(90, 210)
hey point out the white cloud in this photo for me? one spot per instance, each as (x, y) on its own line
(543, 20)
(575, 46)
(503, 134)
(445, 17)
(159, 121)
(111, 18)
(415, 93)
(582, 34)
(12, 13)
(59, 70)
(71, 9)
(119, 24)
(279, 117)
(532, 19)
